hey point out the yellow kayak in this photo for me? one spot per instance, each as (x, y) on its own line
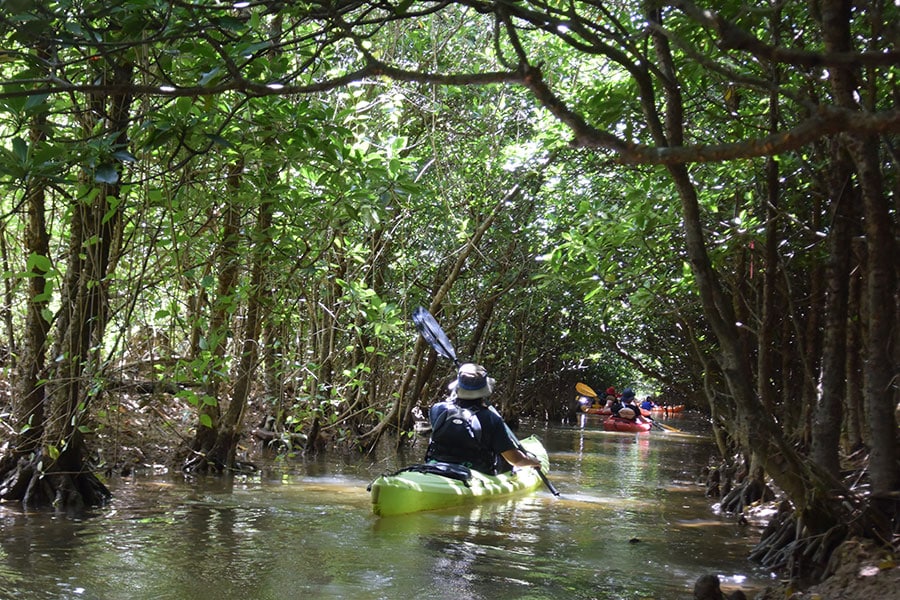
(412, 491)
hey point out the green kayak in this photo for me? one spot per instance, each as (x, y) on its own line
(411, 491)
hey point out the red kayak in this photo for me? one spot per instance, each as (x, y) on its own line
(620, 424)
(669, 409)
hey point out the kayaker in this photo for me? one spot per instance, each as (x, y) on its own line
(648, 403)
(610, 400)
(626, 408)
(465, 416)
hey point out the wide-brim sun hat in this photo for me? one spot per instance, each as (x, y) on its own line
(472, 382)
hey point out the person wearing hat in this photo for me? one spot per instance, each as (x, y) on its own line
(466, 430)
(626, 407)
(610, 400)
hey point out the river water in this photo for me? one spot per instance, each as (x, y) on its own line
(631, 523)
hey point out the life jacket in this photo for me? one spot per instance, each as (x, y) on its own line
(626, 412)
(456, 438)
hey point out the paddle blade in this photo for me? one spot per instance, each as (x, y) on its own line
(433, 334)
(585, 390)
(667, 427)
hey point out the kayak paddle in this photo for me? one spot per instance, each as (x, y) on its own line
(585, 390)
(663, 427)
(433, 334)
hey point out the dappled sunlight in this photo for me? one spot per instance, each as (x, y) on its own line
(627, 519)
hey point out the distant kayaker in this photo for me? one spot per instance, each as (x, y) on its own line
(466, 430)
(648, 403)
(626, 408)
(610, 400)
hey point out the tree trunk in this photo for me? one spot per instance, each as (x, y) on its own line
(853, 387)
(801, 396)
(826, 430)
(57, 474)
(29, 388)
(224, 449)
(881, 389)
(229, 259)
(758, 432)
(769, 315)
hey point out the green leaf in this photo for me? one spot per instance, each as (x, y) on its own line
(47, 294)
(113, 208)
(219, 140)
(106, 174)
(35, 100)
(124, 156)
(38, 263)
(206, 420)
(209, 76)
(20, 149)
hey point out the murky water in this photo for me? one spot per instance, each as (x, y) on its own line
(631, 524)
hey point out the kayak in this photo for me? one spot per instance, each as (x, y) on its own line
(410, 491)
(619, 424)
(589, 407)
(670, 409)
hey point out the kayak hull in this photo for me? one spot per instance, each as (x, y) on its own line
(627, 425)
(410, 491)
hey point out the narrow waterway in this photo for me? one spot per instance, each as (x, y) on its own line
(631, 523)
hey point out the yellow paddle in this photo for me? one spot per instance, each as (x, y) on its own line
(662, 425)
(585, 390)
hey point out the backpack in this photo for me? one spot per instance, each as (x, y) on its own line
(457, 428)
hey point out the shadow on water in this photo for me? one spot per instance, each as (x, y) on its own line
(631, 523)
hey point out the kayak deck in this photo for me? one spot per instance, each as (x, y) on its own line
(410, 491)
(619, 424)
(596, 410)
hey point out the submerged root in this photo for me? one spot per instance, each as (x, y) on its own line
(737, 490)
(788, 545)
(24, 481)
(746, 494)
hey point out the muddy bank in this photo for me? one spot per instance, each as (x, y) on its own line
(858, 570)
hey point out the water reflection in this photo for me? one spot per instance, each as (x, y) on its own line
(631, 523)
